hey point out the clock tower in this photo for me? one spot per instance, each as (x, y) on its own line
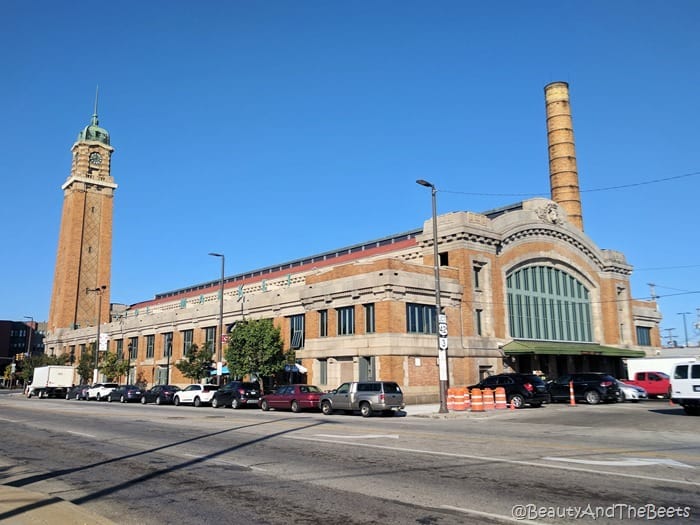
(83, 261)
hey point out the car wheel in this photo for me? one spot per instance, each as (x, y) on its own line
(365, 409)
(620, 397)
(197, 402)
(122, 399)
(67, 397)
(176, 401)
(592, 397)
(295, 406)
(158, 401)
(235, 403)
(517, 401)
(98, 398)
(264, 405)
(214, 403)
(109, 399)
(326, 408)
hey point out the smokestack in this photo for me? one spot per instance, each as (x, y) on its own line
(563, 174)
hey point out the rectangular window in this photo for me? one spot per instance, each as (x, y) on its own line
(296, 328)
(323, 323)
(168, 344)
(150, 346)
(477, 321)
(421, 319)
(210, 337)
(643, 336)
(119, 347)
(477, 280)
(187, 341)
(323, 372)
(346, 320)
(133, 347)
(369, 318)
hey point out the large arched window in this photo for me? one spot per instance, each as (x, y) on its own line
(548, 305)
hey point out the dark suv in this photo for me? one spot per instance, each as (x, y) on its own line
(591, 387)
(236, 394)
(521, 389)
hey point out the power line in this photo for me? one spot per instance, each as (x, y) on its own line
(607, 188)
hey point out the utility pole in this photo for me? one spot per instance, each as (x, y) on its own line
(685, 326)
(670, 336)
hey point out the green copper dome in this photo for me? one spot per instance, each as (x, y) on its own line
(94, 132)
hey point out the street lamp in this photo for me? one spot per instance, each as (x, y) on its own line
(220, 332)
(442, 338)
(685, 327)
(29, 335)
(99, 290)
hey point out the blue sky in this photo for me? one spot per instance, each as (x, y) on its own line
(275, 130)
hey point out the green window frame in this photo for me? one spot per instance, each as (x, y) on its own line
(548, 304)
(150, 346)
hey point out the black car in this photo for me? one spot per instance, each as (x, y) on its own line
(591, 387)
(77, 392)
(160, 395)
(125, 394)
(521, 389)
(236, 394)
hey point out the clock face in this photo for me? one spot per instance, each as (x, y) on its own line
(95, 158)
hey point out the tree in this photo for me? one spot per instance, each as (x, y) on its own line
(255, 348)
(86, 364)
(197, 363)
(113, 366)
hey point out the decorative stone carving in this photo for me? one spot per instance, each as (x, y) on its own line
(550, 213)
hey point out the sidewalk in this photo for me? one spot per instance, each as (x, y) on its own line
(23, 507)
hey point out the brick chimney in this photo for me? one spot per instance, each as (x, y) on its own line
(563, 173)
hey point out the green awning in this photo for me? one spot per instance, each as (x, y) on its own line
(520, 347)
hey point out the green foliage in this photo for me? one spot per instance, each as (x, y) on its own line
(255, 347)
(86, 365)
(113, 366)
(197, 363)
(26, 366)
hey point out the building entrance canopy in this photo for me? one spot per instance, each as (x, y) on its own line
(521, 347)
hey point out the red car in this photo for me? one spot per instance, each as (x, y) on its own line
(292, 397)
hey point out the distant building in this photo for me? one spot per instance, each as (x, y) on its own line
(523, 288)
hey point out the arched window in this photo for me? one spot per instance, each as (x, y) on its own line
(547, 304)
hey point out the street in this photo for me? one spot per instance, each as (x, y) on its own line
(619, 463)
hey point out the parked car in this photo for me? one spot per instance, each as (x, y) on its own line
(160, 395)
(631, 393)
(685, 386)
(125, 394)
(196, 395)
(521, 389)
(656, 384)
(591, 387)
(77, 392)
(100, 391)
(292, 397)
(365, 396)
(236, 394)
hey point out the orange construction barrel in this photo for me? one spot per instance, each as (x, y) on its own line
(489, 402)
(477, 400)
(459, 400)
(451, 398)
(501, 401)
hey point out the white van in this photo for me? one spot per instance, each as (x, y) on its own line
(685, 386)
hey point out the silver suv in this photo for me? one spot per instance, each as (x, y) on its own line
(366, 396)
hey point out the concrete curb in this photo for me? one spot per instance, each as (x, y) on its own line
(23, 507)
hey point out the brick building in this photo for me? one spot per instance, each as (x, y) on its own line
(523, 288)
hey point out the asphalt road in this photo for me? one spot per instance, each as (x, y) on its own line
(620, 463)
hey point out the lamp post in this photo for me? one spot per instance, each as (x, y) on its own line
(685, 327)
(220, 334)
(442, 324)
(29, 335)
(99, 290)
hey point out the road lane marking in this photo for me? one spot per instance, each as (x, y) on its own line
(502, 460)
(361, 436)
(623, 462)
(489, 515)
(82, 434)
